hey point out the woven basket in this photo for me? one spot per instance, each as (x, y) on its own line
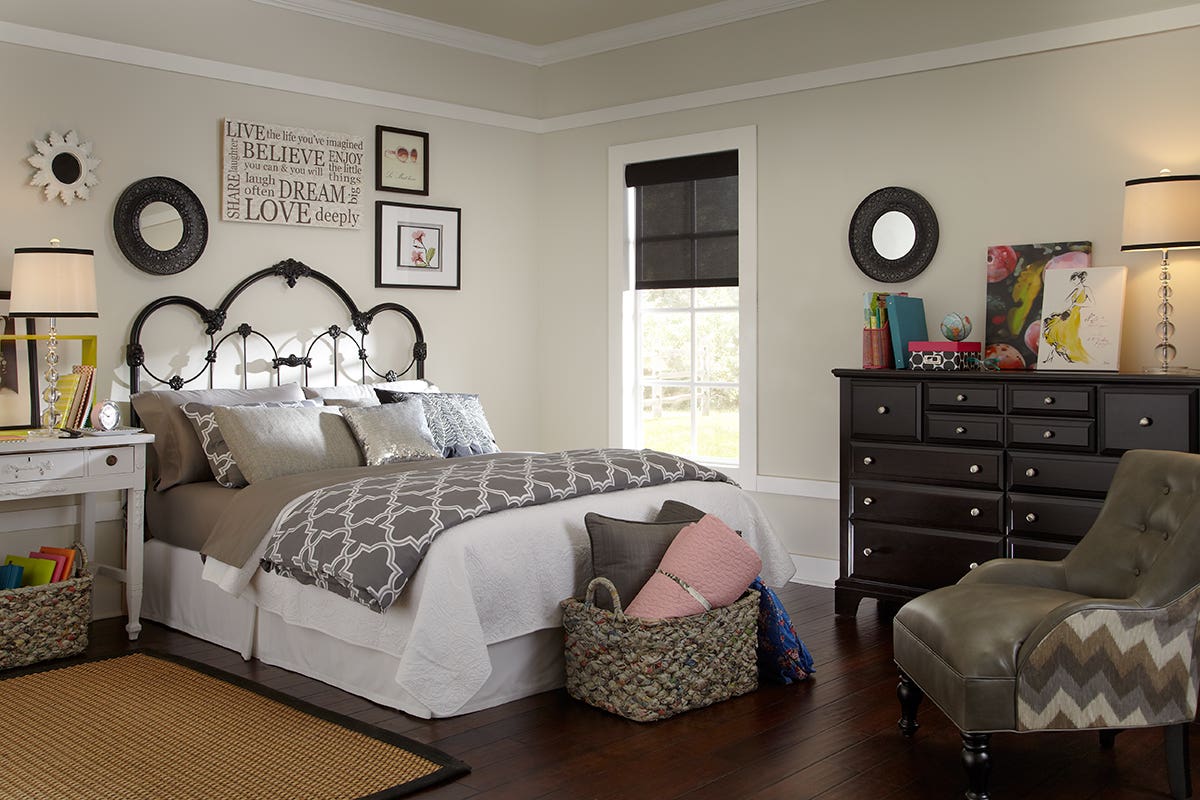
(48, 621)
(651, 669)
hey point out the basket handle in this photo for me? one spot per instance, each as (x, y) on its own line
(81, 560)
(590, 596)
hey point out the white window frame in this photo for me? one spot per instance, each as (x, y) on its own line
(624, 402)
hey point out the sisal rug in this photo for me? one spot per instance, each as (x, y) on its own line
(148, 727)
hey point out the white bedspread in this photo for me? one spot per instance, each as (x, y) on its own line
(488, 580)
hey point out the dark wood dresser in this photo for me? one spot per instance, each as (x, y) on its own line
(941, 471)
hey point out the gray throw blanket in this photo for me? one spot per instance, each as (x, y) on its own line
(364, 538)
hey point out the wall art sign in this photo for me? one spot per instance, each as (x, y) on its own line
(1082, 311)
(417, 246)
(401, 160)
(1015, 282)
(290, 176)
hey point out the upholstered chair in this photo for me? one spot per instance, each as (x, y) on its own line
(1105, 639)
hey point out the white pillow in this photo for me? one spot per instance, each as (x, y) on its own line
(348, 395)
(414, 385)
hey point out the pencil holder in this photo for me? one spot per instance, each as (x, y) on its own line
(877, 348)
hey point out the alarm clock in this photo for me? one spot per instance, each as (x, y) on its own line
(106, 415)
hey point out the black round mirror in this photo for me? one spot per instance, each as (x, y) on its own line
(66, 168)
(160, 225)
(893, 234)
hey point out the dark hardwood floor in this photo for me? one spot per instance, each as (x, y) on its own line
(832, 737)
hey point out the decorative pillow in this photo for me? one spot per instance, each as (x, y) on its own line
(351, 395)
(675, 511)
(220, 460)
(412, 385)
(269, 442)
(626, 552)
(391, 433)
(180, 459)
(457, 421)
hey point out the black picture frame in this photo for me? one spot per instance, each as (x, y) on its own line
(398, 174)
(12, 415)
(406, 231)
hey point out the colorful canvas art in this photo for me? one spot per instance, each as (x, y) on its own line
(1082, 312)
(1015, 283)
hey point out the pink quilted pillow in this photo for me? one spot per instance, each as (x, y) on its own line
(707, 556)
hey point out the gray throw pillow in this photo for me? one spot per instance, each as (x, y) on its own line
(627, 552)
(392, 433)
(220, 459)
(457, 421)
(270, 442)
(675, 511)
(349, 395)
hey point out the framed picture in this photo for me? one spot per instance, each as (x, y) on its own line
(417, 246)
(401, 160)
(19, 407)
(1082, 311)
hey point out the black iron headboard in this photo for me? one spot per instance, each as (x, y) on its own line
(213, 320)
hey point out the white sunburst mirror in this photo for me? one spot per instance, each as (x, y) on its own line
(65, 167)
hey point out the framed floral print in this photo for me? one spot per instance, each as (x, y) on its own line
(417, 247)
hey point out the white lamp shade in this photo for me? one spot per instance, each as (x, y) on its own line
(1162, 213)
(53, 282)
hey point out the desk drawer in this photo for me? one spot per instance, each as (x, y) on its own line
(912, 557)
(927, 464)
(1038, 472)
(43, 466)
(1050, 399)
(886, 411)
(1057, 434)
(932, 506)
(110, 461)
(1138, 419)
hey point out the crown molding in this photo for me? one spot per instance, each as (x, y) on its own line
(1045, 41)
(382, 19)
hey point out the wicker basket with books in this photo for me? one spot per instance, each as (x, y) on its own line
(47, 621)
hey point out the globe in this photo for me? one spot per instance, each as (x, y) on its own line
(956, 327)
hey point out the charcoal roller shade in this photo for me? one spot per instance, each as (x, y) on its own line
(686, 231)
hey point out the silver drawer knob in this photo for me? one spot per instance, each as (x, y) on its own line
(962, 398)
(974, 512)
(1048, 400)
(1047, 434)
(1031, 517)
(867, 552)
(974, 469)
(1031, 472)
(973, 565)
(881, 410)
(868, 460)
(960, 429)
(1145, 422)
(868, 500)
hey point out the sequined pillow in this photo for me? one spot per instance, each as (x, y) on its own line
(392, 433)
(457, 421)
(204, 420)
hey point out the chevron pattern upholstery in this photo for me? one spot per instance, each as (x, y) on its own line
(1113, 668)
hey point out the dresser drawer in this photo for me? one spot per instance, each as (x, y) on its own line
(929, 506)
(965, 397)
(1036, 471)
(974, 429)
(1152, 420)
(1051, 399)
(110, 461)
(1051, 432)
(886, 411)
(928, 464)
(1038, 550)
(1058, 517)
(43, 466)
(913, 557)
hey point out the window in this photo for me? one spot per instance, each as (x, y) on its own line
(685, 272)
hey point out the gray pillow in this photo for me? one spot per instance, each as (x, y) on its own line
(269, 442)
(349, 395)
(457, 421)
(675, 511)
(627, 552)
(391, 433)
(220, 460)
(179, 457)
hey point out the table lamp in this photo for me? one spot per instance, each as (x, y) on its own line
(1162, 213)
(52, 282)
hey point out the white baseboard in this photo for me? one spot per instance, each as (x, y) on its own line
(813, 571)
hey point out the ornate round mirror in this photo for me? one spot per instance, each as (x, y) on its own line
(893, 234)
(160, 225)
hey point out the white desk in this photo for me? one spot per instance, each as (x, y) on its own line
(84, 466)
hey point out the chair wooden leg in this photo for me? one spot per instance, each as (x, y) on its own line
(1108, 738)
(1179, 771)
(910, 697)
(978, 763)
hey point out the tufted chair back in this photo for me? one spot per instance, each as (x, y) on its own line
(1145, 545)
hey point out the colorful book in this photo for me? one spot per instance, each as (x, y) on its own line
(66, 552)
(906, 317)
(67, 386)
(82, 403)
(60, 562)
(38, 571)
(10, 576)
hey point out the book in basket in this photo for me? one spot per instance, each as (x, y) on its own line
(651, 669)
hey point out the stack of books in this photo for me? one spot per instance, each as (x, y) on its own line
(75, 391)
(47, 565)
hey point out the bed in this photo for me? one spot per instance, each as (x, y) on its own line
(476, 625)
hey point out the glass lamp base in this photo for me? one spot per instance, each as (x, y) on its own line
(1157, 369)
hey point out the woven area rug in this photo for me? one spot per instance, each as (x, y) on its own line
(147, 726)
